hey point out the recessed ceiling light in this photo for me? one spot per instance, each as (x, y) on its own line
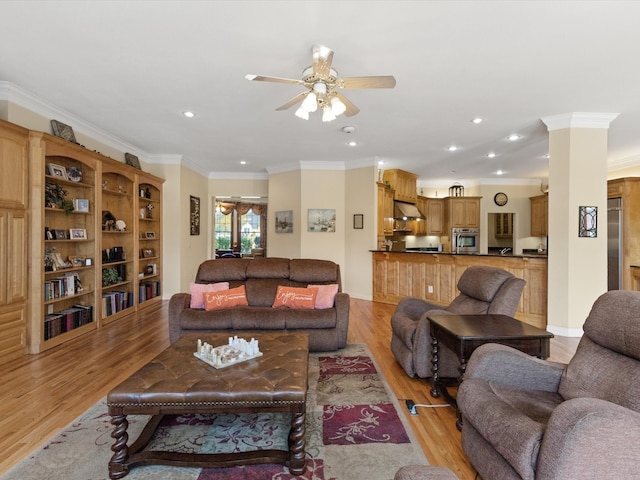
(352, 143)
(499, 172)
(546, 155)
(242, 162)
(513, 137)
(477, 120)
(453, 148)
(491, 155)
(380, 162)
(189, 114)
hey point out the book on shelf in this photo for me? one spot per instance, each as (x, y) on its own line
(67, 320)
(148, 290)
(62, 286)
(116, 301)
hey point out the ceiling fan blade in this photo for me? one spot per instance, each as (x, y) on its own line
(351, 108)
(322, 58)
(298, 98)
(261, 78)
(387, 81)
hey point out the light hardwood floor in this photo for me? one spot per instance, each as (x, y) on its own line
(43, 393)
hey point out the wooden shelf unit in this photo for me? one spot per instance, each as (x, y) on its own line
(149, 270)
(108, 185)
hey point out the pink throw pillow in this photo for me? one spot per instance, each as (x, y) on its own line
(326, 295)
(198, 290)
(292, 297)
(233, 297)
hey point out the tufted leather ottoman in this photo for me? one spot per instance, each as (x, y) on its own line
(176, 382)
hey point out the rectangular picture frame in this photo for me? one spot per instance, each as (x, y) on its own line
(77, 234)
(60, 234)
(148, 253)
(150, 235)
(132, 160)
(194, 215)
(358, 221)
(284, 221)
(58, 171)
(81, 205)
(321, 220)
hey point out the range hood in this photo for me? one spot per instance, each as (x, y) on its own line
(406, 211)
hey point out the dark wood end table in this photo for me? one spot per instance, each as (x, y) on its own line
(464, 333)
(176, 382)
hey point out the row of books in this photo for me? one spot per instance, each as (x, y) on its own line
(114, 302)
(63, 286)
(148, 290)
(67, 320)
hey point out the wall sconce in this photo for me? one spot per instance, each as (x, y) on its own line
(588, 222)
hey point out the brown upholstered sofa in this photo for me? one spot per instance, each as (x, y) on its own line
(525, 418)
(327, 328)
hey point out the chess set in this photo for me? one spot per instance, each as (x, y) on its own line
(236, 351)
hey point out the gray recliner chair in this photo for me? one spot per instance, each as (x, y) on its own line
(483, 290)
(525, 418)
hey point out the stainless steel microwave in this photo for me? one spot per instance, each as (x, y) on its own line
(465, 240)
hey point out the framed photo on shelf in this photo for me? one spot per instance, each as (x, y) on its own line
(60, 235)
(150, 235)
(77, 234)
(81, 205)
(57, 171)
(78, 261)
(148, 253)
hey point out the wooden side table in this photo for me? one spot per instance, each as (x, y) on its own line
(464, 333)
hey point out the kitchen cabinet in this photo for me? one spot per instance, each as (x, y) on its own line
(404, 184)
(539, 215)
(434, 212)
(419, 225)
(628, 189)
(434, 276)
(504, 225)
(385, 210)
(462, 212)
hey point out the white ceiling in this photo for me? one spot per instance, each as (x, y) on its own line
(130, 68)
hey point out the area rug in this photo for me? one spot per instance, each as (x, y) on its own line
(355, 429)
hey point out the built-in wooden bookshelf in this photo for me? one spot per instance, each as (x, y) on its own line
(84, 240)
(14, 230)
(149, 240)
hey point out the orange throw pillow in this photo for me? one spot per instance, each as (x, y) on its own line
(234, 297)
(292, 297)
(326, 295)
(198, 290)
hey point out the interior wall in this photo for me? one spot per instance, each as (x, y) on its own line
(285, 195)
(323, 189)
(361, 198)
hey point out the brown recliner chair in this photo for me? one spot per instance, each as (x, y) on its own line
(483, 290)
(526, 418)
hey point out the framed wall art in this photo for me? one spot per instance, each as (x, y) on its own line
(131, 159)
(358, 221)
(284, 221)
(194, 215)
(321, 220)
(61, 130)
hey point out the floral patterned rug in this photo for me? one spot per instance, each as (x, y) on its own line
(354, 430)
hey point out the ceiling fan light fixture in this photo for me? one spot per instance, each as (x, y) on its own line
(302, 113)
(327, 114)
(310, 102)
(337, 107)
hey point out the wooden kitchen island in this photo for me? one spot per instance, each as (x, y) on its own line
(434, 276)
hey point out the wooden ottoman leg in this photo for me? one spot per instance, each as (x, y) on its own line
(296, 443)
(117, 467)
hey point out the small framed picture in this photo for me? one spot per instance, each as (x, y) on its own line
(77, 234)
(148, 253)
(150, 235)
(62, 130)
(60, 235)
(77, 261)
(57, 171)
(81, 205)
(358, 221)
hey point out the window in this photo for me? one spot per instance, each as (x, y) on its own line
(239, 226)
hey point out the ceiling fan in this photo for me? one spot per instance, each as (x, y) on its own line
(322, 83)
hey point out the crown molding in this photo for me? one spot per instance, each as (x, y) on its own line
(579, 120)
(18, 95)
(237, 176)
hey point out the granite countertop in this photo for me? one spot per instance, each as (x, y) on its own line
(524, 254)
